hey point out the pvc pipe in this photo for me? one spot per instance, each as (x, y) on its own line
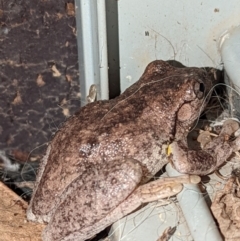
(103, 54)
(230, 53)
(92, 48)
(196, 212)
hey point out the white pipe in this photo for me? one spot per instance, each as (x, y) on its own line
(230, 53)
(196, 212)
(103, 54)
(92, 47)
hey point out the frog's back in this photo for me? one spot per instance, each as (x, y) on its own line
(137, 124)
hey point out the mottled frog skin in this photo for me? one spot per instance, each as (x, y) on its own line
(102, 154)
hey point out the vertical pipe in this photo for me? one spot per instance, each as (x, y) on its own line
(103, 54)
(230, 53)
(90, 15)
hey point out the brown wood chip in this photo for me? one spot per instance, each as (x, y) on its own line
(13, 222)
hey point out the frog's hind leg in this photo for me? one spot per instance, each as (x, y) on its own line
(91, 196)
(153, 191)
(110, 195)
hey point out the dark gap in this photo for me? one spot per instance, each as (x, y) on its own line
(113, 48)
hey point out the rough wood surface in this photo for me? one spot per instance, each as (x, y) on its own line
(13, 223)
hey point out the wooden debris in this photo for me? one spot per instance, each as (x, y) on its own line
(13, 222)
(226, 210)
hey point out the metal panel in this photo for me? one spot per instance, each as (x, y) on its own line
(187, 31)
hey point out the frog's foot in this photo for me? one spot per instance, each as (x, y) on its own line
(213, 154)
(162, 188)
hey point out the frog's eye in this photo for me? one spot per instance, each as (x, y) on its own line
(199, 89)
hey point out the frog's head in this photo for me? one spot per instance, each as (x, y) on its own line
(196, 91)
(176, 95)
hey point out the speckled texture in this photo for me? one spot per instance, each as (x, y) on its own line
(36, 35)
(88, 150)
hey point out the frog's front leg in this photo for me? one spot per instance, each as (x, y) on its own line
(199, 162)
(108, 194)
(213, 154)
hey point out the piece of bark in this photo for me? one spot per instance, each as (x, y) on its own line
(226, 209)
(13, 222)
(167, 234)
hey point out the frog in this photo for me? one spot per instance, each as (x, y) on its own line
(98, 165)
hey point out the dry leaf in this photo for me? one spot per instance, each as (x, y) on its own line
(17, 100)
(40, 81)
(55, 71)
(66, 112)
(68, 78)
(70, 9)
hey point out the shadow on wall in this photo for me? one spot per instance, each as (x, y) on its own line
(113, 48)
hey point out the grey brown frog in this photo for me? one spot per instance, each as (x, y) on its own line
(97, 165)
